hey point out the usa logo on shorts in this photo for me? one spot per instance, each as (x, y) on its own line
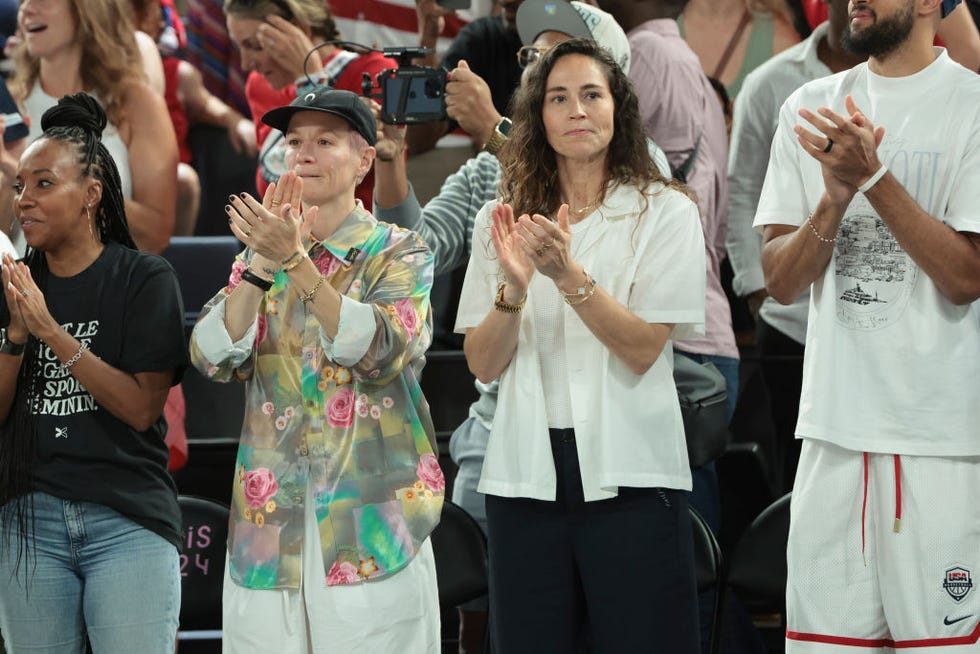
(958, 582)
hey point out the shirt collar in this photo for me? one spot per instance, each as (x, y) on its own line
(808, 52)
(661, 26)
(348, 240)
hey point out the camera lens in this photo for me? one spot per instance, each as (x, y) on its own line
(433, 88)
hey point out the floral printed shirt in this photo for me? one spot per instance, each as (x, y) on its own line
(355, 430)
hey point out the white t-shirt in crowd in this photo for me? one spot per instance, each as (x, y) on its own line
(628, 428)
(891, 365)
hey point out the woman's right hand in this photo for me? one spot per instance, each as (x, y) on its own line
(25, 299)
(517, 266)
(17, 329)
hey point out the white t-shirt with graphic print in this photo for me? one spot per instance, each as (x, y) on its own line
(891, 364)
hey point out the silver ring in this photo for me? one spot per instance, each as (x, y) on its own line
(25, 292)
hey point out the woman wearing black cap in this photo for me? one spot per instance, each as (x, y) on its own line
(337, 486)
(90, 523)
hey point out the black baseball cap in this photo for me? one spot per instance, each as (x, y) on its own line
(328, 100)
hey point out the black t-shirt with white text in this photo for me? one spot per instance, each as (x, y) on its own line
(126, 308)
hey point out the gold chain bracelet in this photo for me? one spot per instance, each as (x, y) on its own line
(308, 296)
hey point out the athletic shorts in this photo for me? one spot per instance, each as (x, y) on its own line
(883, 553)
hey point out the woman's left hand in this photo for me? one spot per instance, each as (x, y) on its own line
(548, 243)
(288, 44)
(275, 237)
(28, 301)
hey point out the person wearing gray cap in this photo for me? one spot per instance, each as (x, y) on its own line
(337, 487)
(870, 200)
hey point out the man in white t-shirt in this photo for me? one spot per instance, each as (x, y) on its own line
(873, 197)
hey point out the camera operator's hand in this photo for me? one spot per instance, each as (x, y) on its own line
(289, 44)
(390, 171)
(469, 103)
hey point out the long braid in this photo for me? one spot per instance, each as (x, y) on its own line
(78, 120)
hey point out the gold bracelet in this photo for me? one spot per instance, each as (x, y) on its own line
(308, 296)
(290, 266)
(500, 305)
(580, 296)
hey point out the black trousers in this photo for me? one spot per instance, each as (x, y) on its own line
(782, 370)
(610, 576)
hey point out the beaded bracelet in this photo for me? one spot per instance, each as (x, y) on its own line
(813, 228)
(78, 355)
(307, 297)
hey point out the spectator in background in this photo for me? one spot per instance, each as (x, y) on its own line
(189, 103)
(75, 45)
(681, 113)
(484, 72)
(274, 38)
(733, 37)
(958, 31)
(780, 330)
(211, 51)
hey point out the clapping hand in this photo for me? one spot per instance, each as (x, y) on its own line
(274, 229)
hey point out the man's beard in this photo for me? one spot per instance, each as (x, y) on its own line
(882, 36)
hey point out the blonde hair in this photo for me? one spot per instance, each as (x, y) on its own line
(110, 60)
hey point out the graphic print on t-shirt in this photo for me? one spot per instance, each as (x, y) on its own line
(61, 394)
(875, 276)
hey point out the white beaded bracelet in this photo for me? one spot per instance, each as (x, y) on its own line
(864, 188)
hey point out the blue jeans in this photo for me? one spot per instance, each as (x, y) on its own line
(89, 572)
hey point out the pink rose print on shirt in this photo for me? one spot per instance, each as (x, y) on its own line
(268, 409)
(342, 573)
(407, 316)
(340, 408)
(260, 485)
(430, 472)
(235, 278)
(261, 329)
(327, 264)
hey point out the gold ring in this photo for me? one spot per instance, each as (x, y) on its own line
(276, 203)
(248, 233)
(540, 251)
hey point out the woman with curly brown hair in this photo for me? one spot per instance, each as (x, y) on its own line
(73, 45)
(571, 306)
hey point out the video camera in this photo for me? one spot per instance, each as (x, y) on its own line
(409, 94)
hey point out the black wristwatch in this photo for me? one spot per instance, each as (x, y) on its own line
(9, 347)
(500, 133)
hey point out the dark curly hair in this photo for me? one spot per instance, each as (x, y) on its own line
(530, 172)
(78, 121)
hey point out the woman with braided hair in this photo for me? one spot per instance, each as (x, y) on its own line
(91, 341)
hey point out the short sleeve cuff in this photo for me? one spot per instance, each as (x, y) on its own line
(215, 343)
(773, 218)
(355, 332)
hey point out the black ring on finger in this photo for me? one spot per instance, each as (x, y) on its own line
(830, 144)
